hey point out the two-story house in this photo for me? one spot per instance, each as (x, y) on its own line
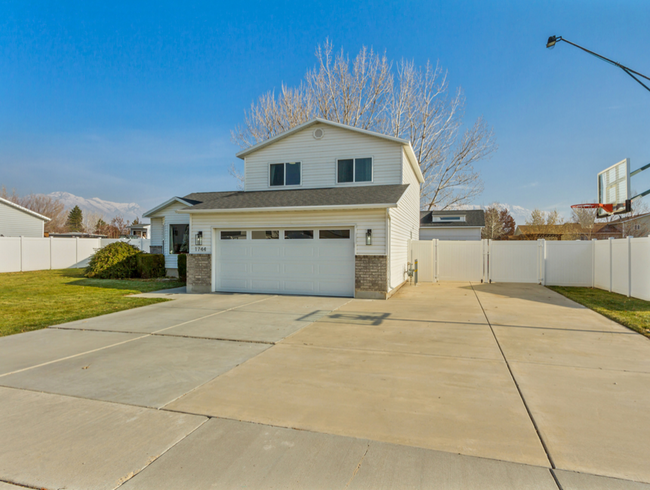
(327, 209)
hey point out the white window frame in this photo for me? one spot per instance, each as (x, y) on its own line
(445, 219)
(354, 170)
(268, 175)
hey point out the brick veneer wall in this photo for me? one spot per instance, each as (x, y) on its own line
(199, 273)
(370, 276)
(155, 249)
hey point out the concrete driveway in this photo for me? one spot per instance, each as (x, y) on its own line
(452, 385)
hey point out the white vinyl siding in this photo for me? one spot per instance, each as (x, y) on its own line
(157, 231)
(14, 222)
(318, 158)
(404, 225)
(362, 220)
(168, 216)
(459, 233)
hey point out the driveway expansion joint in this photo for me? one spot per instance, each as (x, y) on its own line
(514, 380)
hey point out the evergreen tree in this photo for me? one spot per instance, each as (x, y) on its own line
(136, 221)
(75, 219)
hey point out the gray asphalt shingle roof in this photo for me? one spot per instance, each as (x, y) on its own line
(473, 217)
(334, 196)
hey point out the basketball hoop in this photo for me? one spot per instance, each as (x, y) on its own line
(608, 208)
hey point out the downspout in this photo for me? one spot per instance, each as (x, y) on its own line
(388, 257)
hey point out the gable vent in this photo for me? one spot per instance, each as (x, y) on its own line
(318, 133)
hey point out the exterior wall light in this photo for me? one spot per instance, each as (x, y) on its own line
(369, 237)
(198, 239)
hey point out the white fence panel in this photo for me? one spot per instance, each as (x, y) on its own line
(569, 263)
(35, 254)
(601, 264)
(64, 252)
(640, 268)
(460, 260)
(86, 248)
(620, 271)
(424, 252)
(9, 254)
(514, 261)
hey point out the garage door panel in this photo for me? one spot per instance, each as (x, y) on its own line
(265, 286)
(299, 287)
(265, 268)
(334, 251)
(235, 268)
(264, 250)
(233, 284)
(298, 268)
(289, 266)
(302, 251)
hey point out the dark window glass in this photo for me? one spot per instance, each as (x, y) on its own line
(277, 174)
(298, 234)
(265, 235)
(233, 235)
(293, 173)
(363, 170)
(179, 239)
(333, 234)
(345, 170)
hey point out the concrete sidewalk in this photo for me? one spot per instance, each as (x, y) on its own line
(444, 386)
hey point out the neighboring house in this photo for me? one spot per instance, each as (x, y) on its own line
(452, 225)
(637, 226)
(76, 234)
(16, 220)
(141, 231)
(327, 209)
(567, 231)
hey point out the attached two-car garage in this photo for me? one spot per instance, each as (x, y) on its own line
(305, 260)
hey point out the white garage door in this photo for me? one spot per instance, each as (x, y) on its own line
(291, 261)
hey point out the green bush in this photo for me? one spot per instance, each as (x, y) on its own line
(182, 267)
(150, 266)
(114, 261)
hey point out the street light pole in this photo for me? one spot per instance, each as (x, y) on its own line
(553, 40)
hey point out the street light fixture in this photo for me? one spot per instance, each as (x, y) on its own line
(553, 40)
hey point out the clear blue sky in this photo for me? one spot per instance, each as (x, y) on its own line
(134, 101)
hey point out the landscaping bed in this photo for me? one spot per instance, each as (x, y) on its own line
(34, 300)
(630, 312)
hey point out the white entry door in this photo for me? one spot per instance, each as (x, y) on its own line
(308, 261)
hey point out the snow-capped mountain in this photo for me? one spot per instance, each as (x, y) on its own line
(108, 209)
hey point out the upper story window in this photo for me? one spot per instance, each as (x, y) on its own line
(354, 170)
(284, 174)
(453, 219)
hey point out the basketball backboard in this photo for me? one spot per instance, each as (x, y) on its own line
(614, 188)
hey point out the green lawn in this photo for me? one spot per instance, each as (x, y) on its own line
(631, 312)
(33, 300)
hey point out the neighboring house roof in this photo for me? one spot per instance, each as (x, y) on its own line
(473, 218)
(566, 228)
(317, 120)
(167, 203)
(25, 210)
(379, 196)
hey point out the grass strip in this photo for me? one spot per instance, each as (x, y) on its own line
(631, 312)
(38, 299)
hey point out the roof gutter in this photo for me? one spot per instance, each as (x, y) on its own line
(287, 208)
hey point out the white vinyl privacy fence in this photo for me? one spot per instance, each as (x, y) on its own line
(618, 265)
(34, 254)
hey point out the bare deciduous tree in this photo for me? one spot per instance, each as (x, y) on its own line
(407, 101)
(41, 204)
(493, 228)
(586, 219)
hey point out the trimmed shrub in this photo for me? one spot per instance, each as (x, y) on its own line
(150, 266)
(182, 267)
(114, 261)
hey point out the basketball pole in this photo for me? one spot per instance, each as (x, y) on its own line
(553, 40)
